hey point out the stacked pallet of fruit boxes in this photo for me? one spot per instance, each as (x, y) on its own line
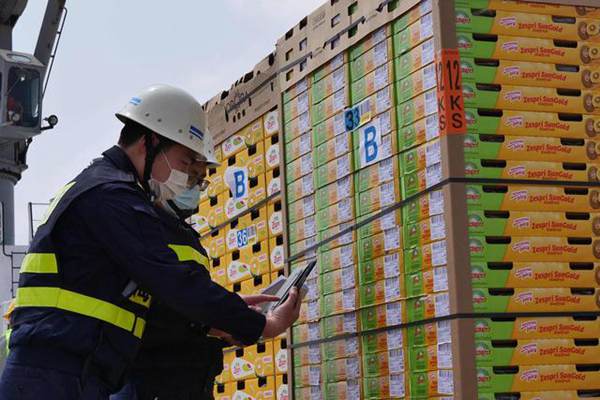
(241, 225)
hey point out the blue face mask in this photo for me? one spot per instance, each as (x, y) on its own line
(189, 199)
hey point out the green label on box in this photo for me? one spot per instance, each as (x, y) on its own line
(418, 359)
(419, 384)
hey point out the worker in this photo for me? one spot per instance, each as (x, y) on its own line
(177, 360)
(100, 254)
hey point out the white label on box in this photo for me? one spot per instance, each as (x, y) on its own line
(426, 26)
(370, 143)
(442, 304)
(337, 61)
(353, 389)
(438, 227)
(379, 35)
(347, 256)
(344, 187)
(387, 194)
(436, 202)
(339, 124)
(341, 145)
(352, 368)
(433, 175)
(307, 185)
(349, 299)
(314, 331)
(395, 339)
(339, 100)
(343, 166)
(302, 86)
(350, 323)
(438, 253)
(433, 153)
(309, 205)
(315, 393)
(345, 210)
(388, 221)
(303, 103)
(386, 147)
(380, 53)
(348, 280)
(305, 143)
(440, 279)
(396, 361)
(310, 226)
(304, 122)
(306, 164)
(397, 388)
(385, 125)
(339, 79)
(432, 127)
(444, 332)
(427, 52)
(392, 289)
(314, 376)
(429, 77)
(391, 265)
(384, 100)
(351, 345)
(445, 382)
(393, 314)
(312, 287)
(444, 359)
(314, 310)
(430, 102)
(391, 239)
(314, 354)
(425, 7)
(382, 77)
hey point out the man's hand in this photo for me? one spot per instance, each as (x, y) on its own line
(254, 300)
(283, 316)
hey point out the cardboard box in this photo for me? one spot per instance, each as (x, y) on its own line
(215, 244)
(299, 168)
(275, 221)
(295, 90)
(430, 358)
(342, 369)
(379, 244)
(280, 354)
(296, 127)
(272, 156)
(200, 224)
(430, 384)
(379, 269)
(341, 348)
(429, 334)
(533, 248)
(373, 151)
(427, 307)
(216, 214)
(413, 34)
(426, 282)
(247, 230)
(337, 258)
(334, 193)
(329, 129)
(277, 253)
(373, 58)
(373, 82)
(383, 315)
(334, 170)
(310, 310)
(382, 341)
(374, 105)
(418, 181)
(247, 137)
(313, 288)
(377, 199)
(537, 8)
(217, 183)
(527, 123)
(416, 83)
(387, 221)
(271, 123)
(251, 194)
(219, 276)
(339, 302)
(301, 188)
(309, 392)
(536, 352)
(273, 182)
(306, 332)
(376, 174)
(412, 15)
(348, 237)
(309, 375)
(524, 148)
(521, 73)
(282, 391)
(415, 59)
(247, 263)
(328, 68)
(332, 149)
(383, 387)
(425, 257)
(388, 362)
(300, 209)
(381, 292)
(298, 147)
(369, 42)
(521, 223)
(302, 229)
(307, 355)
(348, 390)
(528, 49)
(534, 378)
(511, 23)
(536, 328)
(338, 280)
(224, 391)
(297, 106)
(532, 198)
(336, 325)
(563, 394)
(417, 108)
(528, 98)
(330, 84)
(421, 157)
(303, 245)
(336, 214)
(330, 106)
(425, 231)
(533, 300)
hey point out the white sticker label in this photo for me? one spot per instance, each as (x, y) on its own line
(349, 299)
(442, 304)
(438, 227)
(347, 256)
(312, 287)
(433, 153)
(370, 143)
(379, 35)
(348, 280)
(314, 376)
(339, 100)
(306, 164)
(427, 52)
(426, 26)
(433, 175)
(432, 127)
(305, 144)
(308, 205)
(445, 382)
(337, 61)
(303, 103)
(444, 332)
(352, 368)
(314, 331)
(430, 102)
(396, 361)
(387, 194)
(344, 187)
(304, 122)
(386, 170)
(380, 53)
(397, 388)
(382, 77)
(429, 77)
(440, 279)
(351, 345)
(339, 124)
(314, 310)
(438, 253)
(341, 145)
(391, 239)
(444, 359)
(310, 226)
(384, 100)
(343, 167)
(345, 210)
(315, 393)
(388, 221)
(395, 339)
(392, 289)
(353, 389)
(307, 185)
(314, 354)
(339, 79)
(391, 265)
(238, 182)
(350, 323)
(436, 202)
(386, 123)
(393, 313)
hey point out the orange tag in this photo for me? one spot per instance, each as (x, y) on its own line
(451, 107)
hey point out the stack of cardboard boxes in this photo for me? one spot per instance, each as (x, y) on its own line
(440, 160)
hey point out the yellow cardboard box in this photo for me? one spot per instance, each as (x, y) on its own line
(247, 230)
(215, 244)
(259, 389)
(277, 253)
(273, 182)
(252, 194)
(281, 387)
(248, 262)
(271, 123)
(275, 218)
(248, 136)
(272, 153)
(253, 361)
(253, 286)
(252, 159)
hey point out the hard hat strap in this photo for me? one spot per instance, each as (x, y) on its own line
(151, 151)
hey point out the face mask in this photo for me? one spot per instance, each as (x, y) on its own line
(176, 184)
(189, 199)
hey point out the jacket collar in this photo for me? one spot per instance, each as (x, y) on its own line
(120, 159)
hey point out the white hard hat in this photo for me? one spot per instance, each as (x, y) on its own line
(174, 114)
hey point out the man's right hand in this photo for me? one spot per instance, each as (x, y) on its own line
(282, 317)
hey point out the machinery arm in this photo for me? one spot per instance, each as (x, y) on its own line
(48, 32)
